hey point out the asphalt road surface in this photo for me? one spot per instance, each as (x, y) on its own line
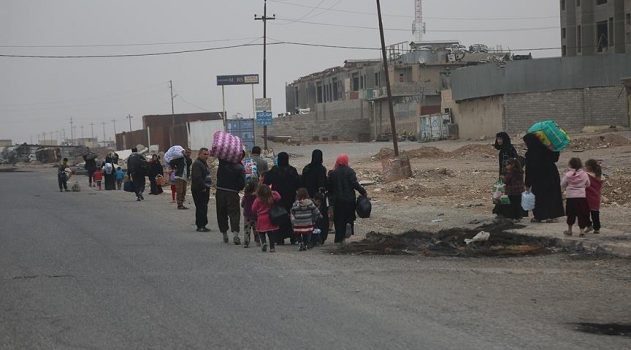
(98, 270)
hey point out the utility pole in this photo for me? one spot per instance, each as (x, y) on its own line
(393, 126)
(171, 134)
(71, 131)
(92, 127)
(264, 19)
(114, 121)
(81, 130)
(103, 123)
(129, 117)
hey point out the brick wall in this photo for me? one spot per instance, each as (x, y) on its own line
(572, 109)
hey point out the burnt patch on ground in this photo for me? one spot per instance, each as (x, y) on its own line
(615, 329)
(451, 242)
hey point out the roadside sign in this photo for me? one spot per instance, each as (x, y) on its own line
(243, 79)
(263, 104)
(264, 118)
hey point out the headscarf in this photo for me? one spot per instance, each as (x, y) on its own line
(533, 143)
(283, 159)
(316, 157)
(506, 141)
(342, 160)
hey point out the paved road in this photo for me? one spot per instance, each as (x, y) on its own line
(97, 270)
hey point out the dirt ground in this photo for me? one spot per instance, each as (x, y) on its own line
(452, 180)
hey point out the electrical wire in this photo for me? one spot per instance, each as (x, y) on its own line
(128, 44)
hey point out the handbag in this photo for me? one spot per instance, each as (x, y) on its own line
(128, 187)
(363, 207)
(278, 215)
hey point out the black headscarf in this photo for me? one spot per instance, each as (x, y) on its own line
(316, 157)
(506, 143)
(283, 159)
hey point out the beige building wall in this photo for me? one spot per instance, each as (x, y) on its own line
(482, 117)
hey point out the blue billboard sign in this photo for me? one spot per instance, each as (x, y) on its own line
(264, 118)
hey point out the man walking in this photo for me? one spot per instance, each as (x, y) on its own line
(230, 181)
(90, 165)
(136, 168)
(182, 168)
(261, 164)
(200, 188)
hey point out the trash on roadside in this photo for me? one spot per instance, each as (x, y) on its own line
(482, 236)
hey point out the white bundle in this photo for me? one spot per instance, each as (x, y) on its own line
(175, 152)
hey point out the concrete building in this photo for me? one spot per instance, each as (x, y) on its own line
(6, 143)
(574, 91)
(590, 27)
(350, 102)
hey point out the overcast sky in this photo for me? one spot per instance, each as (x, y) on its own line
(41, 95)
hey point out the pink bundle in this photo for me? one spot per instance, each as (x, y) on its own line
(226, 147)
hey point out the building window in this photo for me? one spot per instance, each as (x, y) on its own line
(335, 91)
(377, 79)
(563, 33)
(355, 82)
(563, 50)
(578, 3)
(562, 5)
(601, 2)
(602, 36)
(579, 39)
(629, 18)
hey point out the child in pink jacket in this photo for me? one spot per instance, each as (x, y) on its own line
(265, 199)
(574, 182)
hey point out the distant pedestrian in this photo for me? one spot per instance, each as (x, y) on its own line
(200, 189)
(304, 215)
(182, 168)
(575, 183)
(342, 186)
(507, 151)
(120, 176)
(62, 175)
(230, 181)
(90, 166)
(249, 215)
(98, 177)
(109, 176)
(593, 192)
(285, 180)
(314, 175)
(155, 170)
(542, 176)
(137, 170)
(265, 199)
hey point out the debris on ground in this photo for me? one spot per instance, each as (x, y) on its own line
(428, 152)
(482, 236)
(600, 141)
(451, 242)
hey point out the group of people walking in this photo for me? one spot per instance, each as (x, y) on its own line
(582, 185)
(278, 202)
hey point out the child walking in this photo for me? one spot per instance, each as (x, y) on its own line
(98, 177)
(514, 187)
(574, 182)
(172, 181)
(304, 214)
(249, 216)
(120, 176)
(265, 199)
(595, 173)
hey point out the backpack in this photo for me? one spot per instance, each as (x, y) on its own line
(251, 170)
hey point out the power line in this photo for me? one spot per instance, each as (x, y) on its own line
(411, 17)
(431, 31)
(125, 44)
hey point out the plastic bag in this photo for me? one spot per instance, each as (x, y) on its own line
(528, 201)
(227, 147)
(498, 190)
(175, 152)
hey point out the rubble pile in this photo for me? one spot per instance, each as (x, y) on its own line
(452, 242)
(467, 151)
(617, 191)
(600, 141)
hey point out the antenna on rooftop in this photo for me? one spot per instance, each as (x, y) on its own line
(418, 26)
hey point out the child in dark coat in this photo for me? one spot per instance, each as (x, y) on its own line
(514, 187)
(249, 216)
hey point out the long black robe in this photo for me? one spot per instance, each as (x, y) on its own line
(285, 180)
(542, 175)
